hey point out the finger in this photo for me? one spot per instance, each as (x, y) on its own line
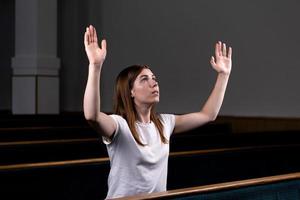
(224, 49)
(229, 52)
(91, 33)
(217, 49)
(95, 35)
(88, 35)
(86, 39)
(212, 61)
(103, 44)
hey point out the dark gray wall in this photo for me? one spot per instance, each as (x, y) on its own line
(176, 38)
(6, 52)
(72, 19)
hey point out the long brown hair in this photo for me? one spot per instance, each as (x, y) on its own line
(124, 104)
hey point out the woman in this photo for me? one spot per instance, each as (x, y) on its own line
(136, 137)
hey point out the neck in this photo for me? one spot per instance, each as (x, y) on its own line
(143, 112)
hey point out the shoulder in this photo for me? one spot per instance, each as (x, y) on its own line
(167, 118)
(121, 126)
(168, 121)
(118, 119)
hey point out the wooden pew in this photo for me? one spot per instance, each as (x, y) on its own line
(57, 142)
(42, 120)
(86, 178)
(41, 144)
(279, 187)
(214, 152)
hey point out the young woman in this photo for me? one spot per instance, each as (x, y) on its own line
(137, 138)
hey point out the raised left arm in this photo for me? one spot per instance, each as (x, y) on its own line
(222, 64)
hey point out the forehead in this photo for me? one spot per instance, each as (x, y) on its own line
(146, 72)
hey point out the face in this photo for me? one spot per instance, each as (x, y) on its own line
(145, 88)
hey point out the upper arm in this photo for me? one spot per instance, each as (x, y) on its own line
(190, 121)
(104, 124)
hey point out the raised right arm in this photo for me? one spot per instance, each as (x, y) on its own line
(100, 121)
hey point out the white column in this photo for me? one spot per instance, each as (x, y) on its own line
(35, 81)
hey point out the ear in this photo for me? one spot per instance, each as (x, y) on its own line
(132, 93)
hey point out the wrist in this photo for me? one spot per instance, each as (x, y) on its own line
(224, 74)
(95, 68)
(95, 65)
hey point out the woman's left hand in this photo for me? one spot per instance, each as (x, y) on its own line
(222, 60)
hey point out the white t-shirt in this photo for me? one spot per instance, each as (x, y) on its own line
(137, 169)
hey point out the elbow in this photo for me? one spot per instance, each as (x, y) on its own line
(210, 117)
(91, 118)
(91, 121)
(213, 118)
(90, 114)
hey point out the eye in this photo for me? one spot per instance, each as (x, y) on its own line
(144, 79)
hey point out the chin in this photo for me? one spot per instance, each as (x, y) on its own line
(154, 101)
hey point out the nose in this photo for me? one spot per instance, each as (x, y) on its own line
(153, 83)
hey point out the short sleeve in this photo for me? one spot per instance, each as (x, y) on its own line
(169, 123)
(118, 120)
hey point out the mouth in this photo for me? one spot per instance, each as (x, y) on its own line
(155, 92)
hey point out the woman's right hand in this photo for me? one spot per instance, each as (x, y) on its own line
(95, 54)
